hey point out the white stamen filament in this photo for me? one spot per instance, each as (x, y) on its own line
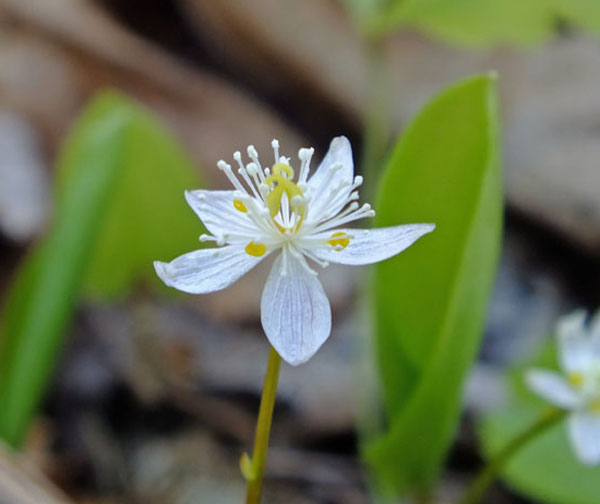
(364, 211)
(275, 145)
(303, 223)
(305, 155)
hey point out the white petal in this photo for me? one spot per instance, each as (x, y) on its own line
(373, 245)
(218, 214)
(574, 344)
(295, 311)
(584, 431)
(206, 270)
(595, 332)
(553, 387)
(340, 151)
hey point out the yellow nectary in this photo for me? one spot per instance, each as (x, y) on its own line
(239, 205)
(256, 249)
(576, 379)
(339, 239)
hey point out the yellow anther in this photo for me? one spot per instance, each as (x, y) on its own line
(576, 379)
(339, 239)
(256, 249)
(239, 205)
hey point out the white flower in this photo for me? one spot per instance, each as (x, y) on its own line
(578, 388)
(268, 212)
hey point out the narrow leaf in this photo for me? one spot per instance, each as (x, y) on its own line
(41, 303)
(119, 175)
(430, 302)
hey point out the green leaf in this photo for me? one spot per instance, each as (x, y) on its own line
(477, 23)
(430, 301)
(584, 13)
(148, 217)
(546, 468)
(111, 180)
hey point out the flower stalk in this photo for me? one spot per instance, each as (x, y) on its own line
(490, 471)
(254, 469)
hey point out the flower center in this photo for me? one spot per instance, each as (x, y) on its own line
(280, 183)
(276, 202)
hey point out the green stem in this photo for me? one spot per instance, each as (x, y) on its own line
(254, 469)
(489, 472)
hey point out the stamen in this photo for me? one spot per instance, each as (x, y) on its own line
(226, 168)
(298, 255)
(253, 154)
(264, 190)
(237, 155)
(256, 249)
(206, 237)
(257, 175)
(259, 214)
(314, 258)
(345, 217)
(325, 183)
(275, 145)
(305, 155)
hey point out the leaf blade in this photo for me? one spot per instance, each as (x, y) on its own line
(454, 141)
(42, 301)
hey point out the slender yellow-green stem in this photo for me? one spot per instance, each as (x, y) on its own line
(254, 469)
(489, 472)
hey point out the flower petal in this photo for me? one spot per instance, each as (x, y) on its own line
(295, 311)
(218, 213)
(321, 202)
(553, 387)
(206, 270)
(373, 245)
(595, 333)
(574, 344)
(584, 431)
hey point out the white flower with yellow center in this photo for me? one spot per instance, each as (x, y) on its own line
(269, 211)
(578, 388)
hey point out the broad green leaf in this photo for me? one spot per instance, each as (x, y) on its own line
(546, 468)
(100, 184)
(430, 301)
